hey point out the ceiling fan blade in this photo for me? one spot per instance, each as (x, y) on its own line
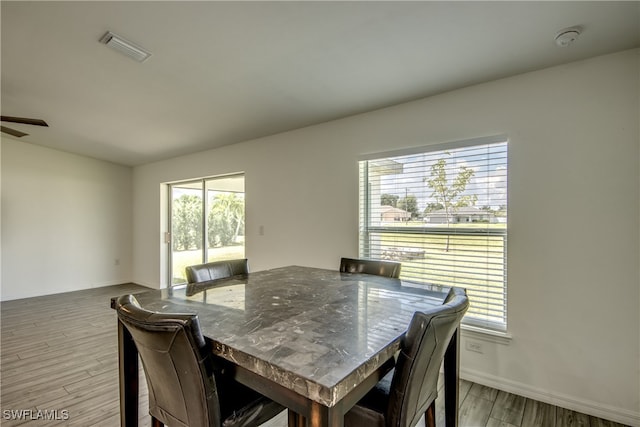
(13, 132)
(23, 120)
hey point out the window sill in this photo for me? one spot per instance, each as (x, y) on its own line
(488, 335)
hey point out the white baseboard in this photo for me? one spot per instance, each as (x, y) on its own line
(151, 286)
(105, 284)
(596, 409)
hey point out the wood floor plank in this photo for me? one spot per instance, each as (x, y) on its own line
(538, 414)
(108, 421)
(475, 411)
(85, 402)
(509, 408)
(493, 422)
(483, 392)
(25, 337)
(16, 348)
(104, 367)
(37, 369)
(93, 418)
(463, 390)
(599, 422)
(17, 390)
(568, 418)
(104, 379)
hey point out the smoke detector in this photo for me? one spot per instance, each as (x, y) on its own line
(567, 36)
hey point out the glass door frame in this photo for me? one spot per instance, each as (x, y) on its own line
(204, 188)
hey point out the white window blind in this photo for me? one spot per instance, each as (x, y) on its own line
(442, 213)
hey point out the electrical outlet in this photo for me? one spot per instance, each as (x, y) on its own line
(474, 346)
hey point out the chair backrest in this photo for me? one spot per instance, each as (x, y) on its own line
(415, 380)
(370, 266)
(177, 365)
(216, 270)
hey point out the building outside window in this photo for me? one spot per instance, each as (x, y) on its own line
(442, 212)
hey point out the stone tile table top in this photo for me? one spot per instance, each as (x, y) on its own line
(314, 331)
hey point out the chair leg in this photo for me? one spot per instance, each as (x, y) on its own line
(156, 423)
(430, 415)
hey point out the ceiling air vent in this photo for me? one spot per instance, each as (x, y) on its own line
(124, 46)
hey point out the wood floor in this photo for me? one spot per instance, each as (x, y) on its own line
(58, 359)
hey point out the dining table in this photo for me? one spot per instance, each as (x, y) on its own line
(314, 340)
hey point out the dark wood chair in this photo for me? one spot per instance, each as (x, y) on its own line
(370, 266)
(409, 391)
(188, 386)
(216, 270)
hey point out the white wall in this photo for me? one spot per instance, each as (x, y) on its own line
(574, 193)
(65, 220)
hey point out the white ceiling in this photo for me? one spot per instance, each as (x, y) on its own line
(226, 72)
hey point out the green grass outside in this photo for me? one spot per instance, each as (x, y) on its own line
(181, 259)
(476, 263)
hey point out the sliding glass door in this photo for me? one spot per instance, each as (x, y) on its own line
(206, 222)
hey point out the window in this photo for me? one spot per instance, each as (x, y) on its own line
(442, 212)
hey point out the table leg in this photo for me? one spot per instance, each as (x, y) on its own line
(320, 416)
(451, 375)
(128, 371)
(295, 419)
